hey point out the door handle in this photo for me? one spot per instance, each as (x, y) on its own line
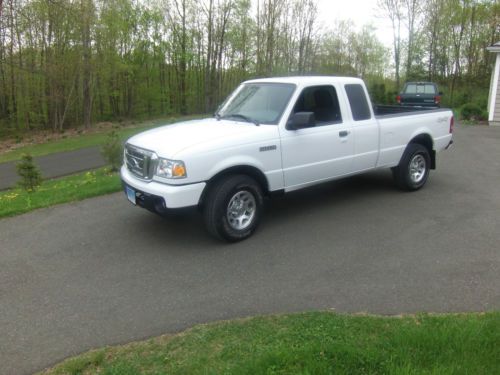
(344, 133)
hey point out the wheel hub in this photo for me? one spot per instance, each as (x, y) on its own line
(241, 210)
(418, 168)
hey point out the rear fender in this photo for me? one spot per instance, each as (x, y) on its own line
(423, 137)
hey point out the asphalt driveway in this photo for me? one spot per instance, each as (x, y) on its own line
(55, 165)
(100, 271)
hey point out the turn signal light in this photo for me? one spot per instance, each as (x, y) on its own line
(398, 99)
(179, 171)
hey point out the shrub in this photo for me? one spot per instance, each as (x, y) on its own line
(31, 177)
(391, 97)
(378, 93)
(112, 151)
(471, 111)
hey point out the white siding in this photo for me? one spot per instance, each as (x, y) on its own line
(496, 110)
(494, 97)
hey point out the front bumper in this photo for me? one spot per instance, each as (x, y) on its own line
(157, 197)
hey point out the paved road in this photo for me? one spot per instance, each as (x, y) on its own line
(55, 165)
(101, 271)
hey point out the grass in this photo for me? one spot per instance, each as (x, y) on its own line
(76, 142)
(66, 189)
(310, 343)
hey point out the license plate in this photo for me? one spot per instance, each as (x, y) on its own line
(130, 194)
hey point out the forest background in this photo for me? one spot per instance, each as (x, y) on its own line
(73, 63)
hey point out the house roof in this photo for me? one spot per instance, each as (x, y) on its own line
(494, 48)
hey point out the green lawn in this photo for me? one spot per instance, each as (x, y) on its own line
(87, 140)
(61, 190)
(310, 343)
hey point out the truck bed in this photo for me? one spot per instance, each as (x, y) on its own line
(398, 110)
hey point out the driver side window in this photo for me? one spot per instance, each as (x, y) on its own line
(323, 102)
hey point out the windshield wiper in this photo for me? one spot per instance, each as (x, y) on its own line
(243, 117)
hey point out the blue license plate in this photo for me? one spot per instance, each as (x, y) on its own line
(130, 194)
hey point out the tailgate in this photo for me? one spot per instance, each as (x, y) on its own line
(417, 99)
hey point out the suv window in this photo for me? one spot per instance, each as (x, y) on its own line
(420, 88)
(357, 100)
(322, 101)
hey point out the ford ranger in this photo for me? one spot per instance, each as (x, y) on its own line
(279, 135)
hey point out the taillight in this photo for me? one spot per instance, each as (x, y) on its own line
(437, 99)
(452, 124)
(398, 99)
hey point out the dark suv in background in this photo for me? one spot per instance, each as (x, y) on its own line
(420, 94)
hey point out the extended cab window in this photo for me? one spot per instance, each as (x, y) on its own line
(357, 100)
(322, 101)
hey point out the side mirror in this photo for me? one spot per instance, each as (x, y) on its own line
(440, 93)
(301, 120)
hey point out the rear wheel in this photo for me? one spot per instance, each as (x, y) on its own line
(232, 208)
(413, 169)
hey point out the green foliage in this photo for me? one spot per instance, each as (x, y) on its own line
(378, 94)
(344, 51)
(31, 177)
(316, 343)
(56, 191)
(391, 97)
(469, 94)
(137, 59)
(85, 363)
(112, 151)
(472, 112)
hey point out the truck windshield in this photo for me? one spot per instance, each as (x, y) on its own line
(261, 103)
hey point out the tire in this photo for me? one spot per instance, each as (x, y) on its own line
(413, 170)
(233, 208)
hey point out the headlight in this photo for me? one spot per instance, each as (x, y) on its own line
(171, 168)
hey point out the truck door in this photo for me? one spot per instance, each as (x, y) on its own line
(322, 151)
(365, 128)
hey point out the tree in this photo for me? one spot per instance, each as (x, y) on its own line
(87, 8)
(178, 21)
(112, 151)
(413, 10)
(393, 10)
(66, 63)
(29, 173)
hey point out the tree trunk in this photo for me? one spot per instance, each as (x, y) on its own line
(86, 6)
(13, 93)
(208, 81)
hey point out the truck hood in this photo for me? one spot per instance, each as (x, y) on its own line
(169, 140)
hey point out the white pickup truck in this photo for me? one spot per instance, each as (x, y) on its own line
(278, 135)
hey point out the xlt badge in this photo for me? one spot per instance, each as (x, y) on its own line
(267, 148)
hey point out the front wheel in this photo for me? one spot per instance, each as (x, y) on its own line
(413, 169)
(232, 208)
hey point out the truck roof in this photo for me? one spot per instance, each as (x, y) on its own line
(420, 83)
(307, 80)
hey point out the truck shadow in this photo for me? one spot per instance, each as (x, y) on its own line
(373, 184)
(186, 229)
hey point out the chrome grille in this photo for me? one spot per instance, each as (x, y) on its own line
(140, 162)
